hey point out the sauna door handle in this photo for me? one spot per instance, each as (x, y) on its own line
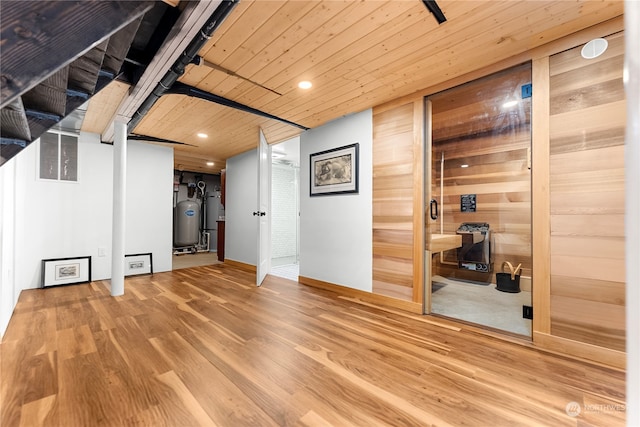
(433, 209)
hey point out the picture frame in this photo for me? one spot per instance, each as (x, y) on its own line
(66, 271)
(136, 264)
(334, 171)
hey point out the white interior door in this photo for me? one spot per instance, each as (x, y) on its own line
(264, 193)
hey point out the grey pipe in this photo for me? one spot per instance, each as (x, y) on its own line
(218, 16)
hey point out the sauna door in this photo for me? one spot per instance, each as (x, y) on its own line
(480, 193)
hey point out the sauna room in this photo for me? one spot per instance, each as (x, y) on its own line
(521, 175)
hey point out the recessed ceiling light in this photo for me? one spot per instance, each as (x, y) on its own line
(305, 84)
(509, 104)
(202, 135)
(594, 48)
(210, 163)
(464, 166)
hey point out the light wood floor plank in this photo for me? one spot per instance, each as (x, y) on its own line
(36, 413)
(186, 398)
(205, 346)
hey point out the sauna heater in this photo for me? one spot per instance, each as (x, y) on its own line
(475, 252)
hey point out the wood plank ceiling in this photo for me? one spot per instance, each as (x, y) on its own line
(357, 54)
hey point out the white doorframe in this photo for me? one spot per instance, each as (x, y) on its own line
(263, 213)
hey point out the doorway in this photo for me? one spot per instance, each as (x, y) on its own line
(285, 209)
(479, 188)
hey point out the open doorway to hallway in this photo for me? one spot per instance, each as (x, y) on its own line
(285, 209)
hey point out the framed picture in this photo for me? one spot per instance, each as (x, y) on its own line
(138, 264)
(334, 171)
(66, 271)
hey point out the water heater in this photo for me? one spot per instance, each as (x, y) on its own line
(186, 226)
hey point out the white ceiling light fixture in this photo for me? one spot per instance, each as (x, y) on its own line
(594, 48)
(202, 135)
(509, 104)
(464, 166)
(305, 84)
(210, 163)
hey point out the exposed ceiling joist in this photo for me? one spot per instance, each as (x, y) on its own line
(189, 23)
(33, 31)
(48, 71)
(178, 67)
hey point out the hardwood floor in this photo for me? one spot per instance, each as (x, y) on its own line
(204, 346)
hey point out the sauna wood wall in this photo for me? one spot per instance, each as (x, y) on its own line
(578, 282)
(578, 290)
(587, 196)
(397, 187)
(496, 149)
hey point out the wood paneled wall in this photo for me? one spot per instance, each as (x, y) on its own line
(397, 154)
(578, 231)
(470, 126)
(587, 196)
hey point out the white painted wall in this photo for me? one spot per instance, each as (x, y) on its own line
(46, 219)
(63, 219)
(241, 199)
(335, 231)
(150, 203)
(8, 294)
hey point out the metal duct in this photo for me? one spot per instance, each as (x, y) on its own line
(220, 14)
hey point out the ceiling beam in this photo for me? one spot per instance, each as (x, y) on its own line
(184, 89)
(134, 137)
(435, 10)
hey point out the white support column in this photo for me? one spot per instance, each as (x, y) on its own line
(119, 207)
